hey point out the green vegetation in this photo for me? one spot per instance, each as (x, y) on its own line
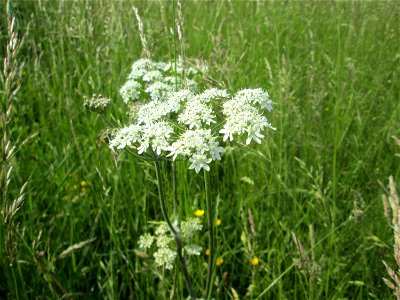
(331, 67)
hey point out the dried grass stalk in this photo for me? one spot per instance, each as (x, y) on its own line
(394, 203)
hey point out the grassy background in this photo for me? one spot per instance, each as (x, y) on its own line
(331, 67)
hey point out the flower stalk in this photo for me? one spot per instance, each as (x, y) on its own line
(173, 230)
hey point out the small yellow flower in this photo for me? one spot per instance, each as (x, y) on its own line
(218, 222)
(84, 183)
(207, 252)
(199, 212)
(254, 261)
(219, 261)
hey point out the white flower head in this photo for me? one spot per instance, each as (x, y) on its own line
(243, 115)
(126, 137)
(165, 257)
(140, 68)
(189, 227)
(152, 76)
(200, 161)
(146, 241)
(159, 90)
(193, 250)
(130, 90)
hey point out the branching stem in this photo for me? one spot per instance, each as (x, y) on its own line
(173, 230)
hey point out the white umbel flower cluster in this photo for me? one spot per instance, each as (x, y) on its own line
(186, 124)
(245, 114)
(155, 80)
(165, 253)
(199, 146)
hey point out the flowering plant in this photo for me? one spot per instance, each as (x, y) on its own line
(173, 119)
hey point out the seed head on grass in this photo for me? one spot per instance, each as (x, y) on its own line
(394, 202)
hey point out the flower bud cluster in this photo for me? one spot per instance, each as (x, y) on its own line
(97, 103)
(165, 253)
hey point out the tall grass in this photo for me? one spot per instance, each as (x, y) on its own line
(331, 67)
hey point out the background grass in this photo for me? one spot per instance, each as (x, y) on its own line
(331, 67)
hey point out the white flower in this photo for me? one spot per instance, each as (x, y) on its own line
(159, 90)
(243, 115)
(193, 250)
(130, 90)
(256, 96)
(228, 131)
(145, 241)
(200, 161)
(125, 137)
(162, 66)
(162, 229)
(152, 76)
(254, 134)
(157, 135)
(215, 150)
(196, 113)
(213, 93)
(140, 67)
(165, 257)
(163, 241)
(189, 227)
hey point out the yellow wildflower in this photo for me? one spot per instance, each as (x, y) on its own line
(84, 183)
(207, 252)
(218, 222)
(219, 261)
(255, 261)
(199, 212)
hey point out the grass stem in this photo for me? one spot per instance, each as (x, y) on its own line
(210, 234)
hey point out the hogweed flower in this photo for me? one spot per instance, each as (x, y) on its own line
(146, 241)
(165, 253)
(185, 124)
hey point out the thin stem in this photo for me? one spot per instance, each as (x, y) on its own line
(174, 232)
(174, 190)
(210, 234)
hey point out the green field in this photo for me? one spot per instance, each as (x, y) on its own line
(332, 68)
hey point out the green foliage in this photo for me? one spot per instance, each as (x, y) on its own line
(331, 67)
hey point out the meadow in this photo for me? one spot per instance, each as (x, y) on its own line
(307, 203)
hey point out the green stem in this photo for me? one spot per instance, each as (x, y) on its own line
(175, 191)
(174, 232)
(210, 234)
(15, 280)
